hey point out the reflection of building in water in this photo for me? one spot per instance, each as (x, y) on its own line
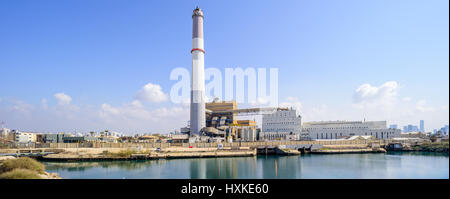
(281, 167)
(214, 168)
(246, 167)
(268, 167)
(288, 166)
(197, 168)
(82, 166)
(230, 169)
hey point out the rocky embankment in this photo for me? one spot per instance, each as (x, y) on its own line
(439, 147)
(338, 149)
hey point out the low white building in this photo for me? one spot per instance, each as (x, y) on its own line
(341, 129)
(21, 137)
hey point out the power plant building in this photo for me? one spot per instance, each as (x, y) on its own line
(218, 119)
(343, 129)
(220, 113)
(282, 121)
(281, 125)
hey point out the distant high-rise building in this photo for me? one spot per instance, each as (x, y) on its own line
(434, 131)
(393, 126)
(410, 128)
(422, 127)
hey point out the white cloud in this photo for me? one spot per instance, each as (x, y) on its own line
(130, 111)
(151, 93)
(19, 106)
(422, 106)
(44, 104)
(292, 102)
(383, 96)
(406, 99)
(261, 101)
(135, 115)
(63, 99)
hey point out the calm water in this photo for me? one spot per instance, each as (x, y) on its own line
(346, 166)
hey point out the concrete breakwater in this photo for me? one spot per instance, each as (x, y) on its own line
(108, 154)
(357, 148)
(340, 151)
(146, 154)
(186, 150)
(193, 145)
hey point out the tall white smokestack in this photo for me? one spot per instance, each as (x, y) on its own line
(198, 74)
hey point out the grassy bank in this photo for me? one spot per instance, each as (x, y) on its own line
(432, 147)
(21, 168)
(122, 154)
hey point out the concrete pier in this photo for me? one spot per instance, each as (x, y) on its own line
(154, 154)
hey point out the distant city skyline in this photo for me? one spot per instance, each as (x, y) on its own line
(71, 66)
(422, 126)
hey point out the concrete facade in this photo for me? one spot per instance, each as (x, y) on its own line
(53, 138)
(342, 129)
(283, 121)
(284, 136)
(248, 134)
(21, 137)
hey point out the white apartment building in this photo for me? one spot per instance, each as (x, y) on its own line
(21, 137)
(341, 129)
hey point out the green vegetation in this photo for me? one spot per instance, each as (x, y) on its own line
(21, 168)
(121, 154)
(22, 163)
(20, 174)
(432, 147)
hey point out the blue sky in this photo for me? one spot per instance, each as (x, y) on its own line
(105, 51)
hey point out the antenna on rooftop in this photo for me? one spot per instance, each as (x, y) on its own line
(3, 124)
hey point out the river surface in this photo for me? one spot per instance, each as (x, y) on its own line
(392, 165)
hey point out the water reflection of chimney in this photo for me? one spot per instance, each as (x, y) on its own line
(219, 167)
(276, 169)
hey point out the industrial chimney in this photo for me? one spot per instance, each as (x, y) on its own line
(198, 74)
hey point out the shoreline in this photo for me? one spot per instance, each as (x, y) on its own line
(179, 152)
(207, 153)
